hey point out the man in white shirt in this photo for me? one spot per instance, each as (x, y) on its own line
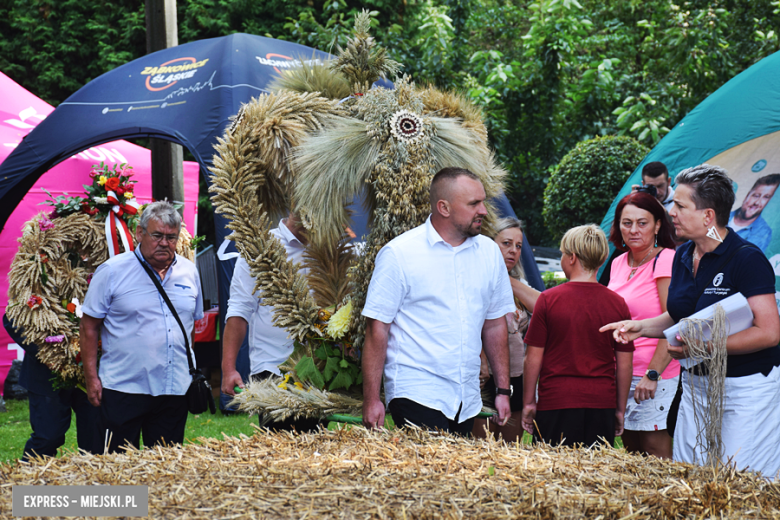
(438, 294)
(269, 346)
(144, 374)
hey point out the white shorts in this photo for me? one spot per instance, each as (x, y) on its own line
(751, 423)
(650, 415)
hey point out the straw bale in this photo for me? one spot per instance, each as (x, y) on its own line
(404, 474)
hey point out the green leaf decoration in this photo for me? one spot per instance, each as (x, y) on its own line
(342, 380)
(44, 275)
(354, 371)
(321, 353)
(308, 371)
(331, 367)
(344, 363)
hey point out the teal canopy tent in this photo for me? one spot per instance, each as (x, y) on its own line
(737, 128)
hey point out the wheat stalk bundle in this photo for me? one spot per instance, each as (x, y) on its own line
(279, 402)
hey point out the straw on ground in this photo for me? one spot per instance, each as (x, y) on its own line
(405, 474)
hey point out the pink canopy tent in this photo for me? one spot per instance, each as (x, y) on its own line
(20, 112)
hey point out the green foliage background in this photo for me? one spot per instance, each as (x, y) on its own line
(586, 180)
(548, 73)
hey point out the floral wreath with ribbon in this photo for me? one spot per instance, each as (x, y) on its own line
(111, 194)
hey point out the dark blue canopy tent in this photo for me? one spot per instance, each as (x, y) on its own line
(185, 94)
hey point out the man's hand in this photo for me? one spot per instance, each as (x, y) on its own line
(233, 337)
(619, 422)
(494, 346)
(373, 413)
(504, 410)
(230, 380)
(373, 363)
(529, 414)
(645, 390)
(89, 334)
(94, 391)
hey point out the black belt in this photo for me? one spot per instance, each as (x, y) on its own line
(698, 370)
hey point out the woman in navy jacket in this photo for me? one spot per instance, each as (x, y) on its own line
(714, 264)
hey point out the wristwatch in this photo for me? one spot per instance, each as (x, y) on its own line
(506, 391)
(653, 375)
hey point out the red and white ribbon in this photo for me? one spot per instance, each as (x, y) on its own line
(116, 227)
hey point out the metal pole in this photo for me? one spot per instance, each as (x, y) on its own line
(167, 157)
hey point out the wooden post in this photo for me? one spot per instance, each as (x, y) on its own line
(167, 169)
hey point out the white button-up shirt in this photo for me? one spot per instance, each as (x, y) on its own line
(436, 298)
(143, 347)
(269, 346)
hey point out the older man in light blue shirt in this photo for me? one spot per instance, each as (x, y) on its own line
(144, 372)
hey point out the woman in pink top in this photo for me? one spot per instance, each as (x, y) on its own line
(641, 276)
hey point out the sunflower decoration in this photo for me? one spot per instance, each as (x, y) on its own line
(58, 253)
(312, 146)
(406, 126)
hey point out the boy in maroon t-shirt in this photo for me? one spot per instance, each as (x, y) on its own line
(582, 395)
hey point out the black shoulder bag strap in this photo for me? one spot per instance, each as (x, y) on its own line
(173, 311)
(199, 398)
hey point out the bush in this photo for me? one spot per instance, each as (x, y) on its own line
(583, 185)
(551, 280)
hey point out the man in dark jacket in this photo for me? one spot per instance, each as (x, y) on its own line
(50, 409)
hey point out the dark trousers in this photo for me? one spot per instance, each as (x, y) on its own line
(50, 416)
(160, 418)
(299, 425)
(406, 411)
(576, 426)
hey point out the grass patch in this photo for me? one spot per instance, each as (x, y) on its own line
(15, 428)
(218, 425)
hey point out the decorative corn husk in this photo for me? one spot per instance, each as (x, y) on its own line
(312, 77)
(279, 402)
(299, 150)
(252, 178)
